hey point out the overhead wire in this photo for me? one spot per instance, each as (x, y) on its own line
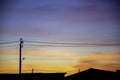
(9, 46)
(73, 44)
(8, 42)
(61, 44)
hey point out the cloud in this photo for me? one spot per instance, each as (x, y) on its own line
(109, 61)
(92, 11)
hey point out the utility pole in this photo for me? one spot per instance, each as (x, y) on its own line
(32, 70)
(20, 56)
(79, 70)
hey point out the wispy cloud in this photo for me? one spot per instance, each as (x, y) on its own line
(109, 61)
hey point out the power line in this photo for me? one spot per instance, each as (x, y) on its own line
(66, 44)
(9, 46)
(54, 42)
(78, 44)
(8, 42)
(58, 44)
(63, 45)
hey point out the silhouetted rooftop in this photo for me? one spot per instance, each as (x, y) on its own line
(93, 74)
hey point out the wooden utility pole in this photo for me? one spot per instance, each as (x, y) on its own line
(32, 70)
(20, 56)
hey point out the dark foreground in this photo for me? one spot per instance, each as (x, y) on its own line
(90, 74)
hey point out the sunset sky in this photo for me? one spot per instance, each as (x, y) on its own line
(66, 21)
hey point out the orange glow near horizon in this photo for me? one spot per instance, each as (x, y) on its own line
(57, 61)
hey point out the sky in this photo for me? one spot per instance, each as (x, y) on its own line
(76, 21)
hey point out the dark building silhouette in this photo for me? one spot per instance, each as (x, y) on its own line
(89, 74)
(94, 74)
(118, 74)
(118, 71)
(33, 76)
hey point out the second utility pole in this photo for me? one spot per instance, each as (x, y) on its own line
(20, 56)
